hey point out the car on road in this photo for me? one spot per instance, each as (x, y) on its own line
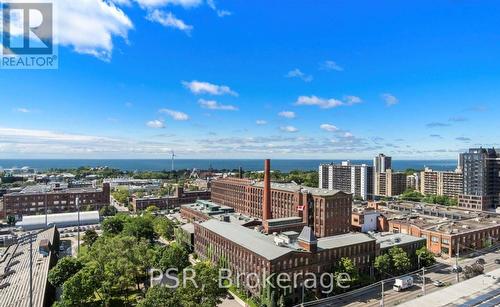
(438, 283)
(457, 269)
(480, 261)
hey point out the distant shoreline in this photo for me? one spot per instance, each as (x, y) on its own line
(283, 165)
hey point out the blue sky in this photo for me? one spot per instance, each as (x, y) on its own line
(252, 79)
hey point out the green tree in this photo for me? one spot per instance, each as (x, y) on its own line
(171, 256)
(383, 264)
(65, 268)
(152, 209)
(401, 263)
(164, 227)
(80, 289)
(108, 211)
(90, 237)
(159, 296)
(140, 227)
(426, 257)
(115, 224)
(346, 266)
(411, 195)
(121, 195)
(206, 292)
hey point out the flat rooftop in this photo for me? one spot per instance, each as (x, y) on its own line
(343, 240)
(295, 188)
(15, 268)
(47, 189)
(389, 239)
(265, 246)
(463, 226)
(247, 238)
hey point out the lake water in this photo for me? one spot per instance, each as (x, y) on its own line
(229, 164)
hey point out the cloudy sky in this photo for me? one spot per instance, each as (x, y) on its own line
(253, 79)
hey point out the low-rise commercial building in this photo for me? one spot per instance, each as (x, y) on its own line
(444, 236)
(169, 202)
(69, 219)
(364, 220)
(388, 240)
(42, 199)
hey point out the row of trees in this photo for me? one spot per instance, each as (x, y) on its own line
(397, 262)
(113, 269)
(307, 178)
(412, 195)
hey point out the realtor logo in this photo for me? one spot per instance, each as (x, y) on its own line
(27, 36)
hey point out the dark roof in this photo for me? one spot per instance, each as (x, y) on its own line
(307, 235)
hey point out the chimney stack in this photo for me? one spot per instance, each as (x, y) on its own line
(266, 204)
(240, 173)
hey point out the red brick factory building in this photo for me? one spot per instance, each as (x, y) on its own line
(34, 200)
(302, 230)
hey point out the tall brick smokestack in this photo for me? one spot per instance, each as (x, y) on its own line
(266, 204)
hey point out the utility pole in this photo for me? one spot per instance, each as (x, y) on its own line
(31, 269)
(77, 201)
(382, 301)
(456, 261)
(423, 280)
(46, 219)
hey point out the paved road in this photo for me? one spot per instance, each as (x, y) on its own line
(371, 296)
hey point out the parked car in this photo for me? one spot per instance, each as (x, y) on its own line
(457, 269)
(497, 261)
(438, 283)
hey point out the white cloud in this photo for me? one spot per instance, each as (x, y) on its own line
(297, 73)
(156, 124)
(159, 3)
(167, 19)
(287, 114)
(261, 122)
(329, 127)
(90, 25)
(348, 135)
(18, 134)
(325, 103)
(199, 87)
(317, 101)
(214, 105)
(176, 115)
(350, 100)
(390, 99)
(220, 13)
(290, 129)
(22, 110)
(330, 65)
